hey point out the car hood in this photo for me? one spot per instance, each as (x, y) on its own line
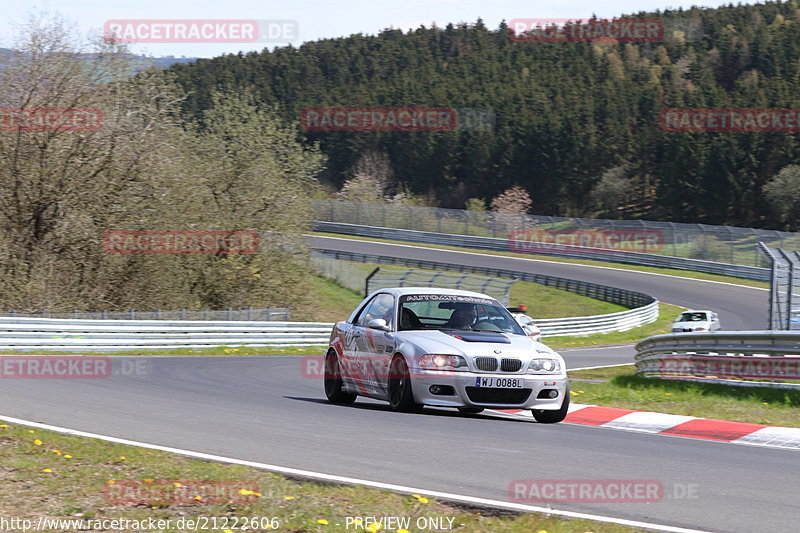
(475, 343)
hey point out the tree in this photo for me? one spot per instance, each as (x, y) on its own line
(513, 201)
(611, 190)
(139, 167)
(783, 193)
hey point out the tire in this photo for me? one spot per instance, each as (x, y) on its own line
(471, 410)
(400, 396)
(551, 417)
(333, 381)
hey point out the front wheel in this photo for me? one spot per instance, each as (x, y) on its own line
(400, 396)
(333, 381)
(551, 417)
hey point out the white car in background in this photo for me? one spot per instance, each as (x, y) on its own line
(696, 320)
(527, 323)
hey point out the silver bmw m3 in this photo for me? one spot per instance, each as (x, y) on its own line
(417, 346)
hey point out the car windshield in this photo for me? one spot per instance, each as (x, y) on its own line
(692, 317)
(455, 312)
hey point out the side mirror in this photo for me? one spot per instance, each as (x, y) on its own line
(528, 330)
(378, 323)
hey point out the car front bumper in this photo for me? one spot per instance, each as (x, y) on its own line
(467, 394)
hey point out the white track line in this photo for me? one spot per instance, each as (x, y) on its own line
(540, 261)
(602, 366)
(355, 481)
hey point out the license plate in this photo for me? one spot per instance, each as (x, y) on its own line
(500, 383)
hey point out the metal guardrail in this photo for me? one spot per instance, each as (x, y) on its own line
(249, 314)
(21, 333)
(643, 308)
(726, 244)
(754, 358)
(27, 333)
(558, 250)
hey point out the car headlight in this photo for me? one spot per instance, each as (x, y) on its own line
(544, 365)
(442, 362)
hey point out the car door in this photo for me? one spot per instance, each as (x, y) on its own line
(375, 346)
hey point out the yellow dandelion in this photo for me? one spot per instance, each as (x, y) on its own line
(580, 391)
(176, 484)
(198, 498)
(542, 531)
(288, 497)
(423, 500)
(149, 480)
(668, 394)
(246, 492)
(37, 442)
(228, 531)
(57, 452)
(31, 431)
(322, 521)
(373, 528)
(123, 458)
(417, 496)
(3, 425)
(47, 471)
(67, 457)
(153, 507)
(402, 531)
(110, 482)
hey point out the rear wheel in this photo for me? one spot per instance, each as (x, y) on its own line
(333, 381)
(551, 417)
(400, 396)
(471, 410)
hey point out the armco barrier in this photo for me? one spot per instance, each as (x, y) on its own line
(643, 308)
(560, 250)
(20, 333)
(754, 358)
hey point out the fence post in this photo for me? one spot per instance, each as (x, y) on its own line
(366, 281)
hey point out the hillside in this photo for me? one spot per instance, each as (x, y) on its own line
(577, 123)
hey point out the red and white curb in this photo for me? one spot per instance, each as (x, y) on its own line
(678, 425)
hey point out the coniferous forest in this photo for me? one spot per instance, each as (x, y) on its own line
(577, 123)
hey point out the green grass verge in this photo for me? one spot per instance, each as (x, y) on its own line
(666, 315)
(542, 302)
(332, 302)
(622, 388)
(655, 270)
(47, 474)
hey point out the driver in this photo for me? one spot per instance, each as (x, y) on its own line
(463, 317)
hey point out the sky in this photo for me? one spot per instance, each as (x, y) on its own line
(299, 21)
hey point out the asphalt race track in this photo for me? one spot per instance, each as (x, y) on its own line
(740, 308)
(266, 409)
